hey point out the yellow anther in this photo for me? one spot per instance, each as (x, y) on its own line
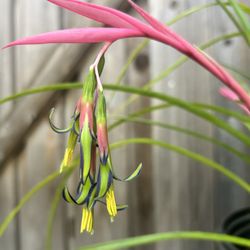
(111, 203)
(87, 221)
(68, 155)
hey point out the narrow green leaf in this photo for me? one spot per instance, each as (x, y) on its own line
(240, 117)
(7, 220)
(195, 156)
(153, 238)
(242, 18)
(236, 22)
(139, 113)
(170, 100)
(245, 8)
(52, 213)
(186, 106)
(194, 134)
(173, 67)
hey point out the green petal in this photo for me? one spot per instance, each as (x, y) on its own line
(67, 196)
(132, 176)
(101, 65)
(91, 200)
(86, 142)
(101, 117)
(104, 180)
(89, 87)
(83, 192)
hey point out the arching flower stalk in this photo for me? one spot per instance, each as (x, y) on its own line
(122, 26)
(89, 128)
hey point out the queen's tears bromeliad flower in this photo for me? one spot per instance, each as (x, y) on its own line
(89, 128)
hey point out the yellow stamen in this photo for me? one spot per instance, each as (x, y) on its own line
(111, 203)
(87, 221)
(68, 155)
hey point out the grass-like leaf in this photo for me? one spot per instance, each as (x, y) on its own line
(238, 22)
(186, 106)
(175, 66)
(193, 108)
(244, 157)
(197, 157)
(25, 198)
(158, 237)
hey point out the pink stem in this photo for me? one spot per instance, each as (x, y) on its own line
(97, 60)
(187, 49)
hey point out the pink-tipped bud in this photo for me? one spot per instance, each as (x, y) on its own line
(102, 131)
(232, 96)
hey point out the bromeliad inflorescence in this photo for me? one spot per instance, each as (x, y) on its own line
(89, 129)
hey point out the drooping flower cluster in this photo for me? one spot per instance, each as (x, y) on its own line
(89, 129)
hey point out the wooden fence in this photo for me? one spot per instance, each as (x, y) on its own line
(173, 192)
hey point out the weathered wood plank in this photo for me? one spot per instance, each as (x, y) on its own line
(38, 161)
(184, 188)
(53, 71)
(140, 192)
(8, 185)
(229, 197)
(7, 196)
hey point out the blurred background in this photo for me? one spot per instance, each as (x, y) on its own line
(173, 192)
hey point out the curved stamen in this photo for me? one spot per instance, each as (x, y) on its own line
(119, 207)
(131, 176)
(55, 128)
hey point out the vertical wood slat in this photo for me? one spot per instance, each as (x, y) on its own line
(229, 197)
(184, 188)
(30, 61)
(8, 190)
(140, 191)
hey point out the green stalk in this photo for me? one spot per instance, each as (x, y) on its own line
(153, 238)
(234, 20)
(186, 106)
(242, 19)
(232, 176)
(30, 194)
(25, 198)
(138, 113)
(52, 211)
(170, 100)
(244, 157)
(221, 110)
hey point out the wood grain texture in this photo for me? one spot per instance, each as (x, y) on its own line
(184, 188)
(173, 192)
(228, 197)
(52, 71)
